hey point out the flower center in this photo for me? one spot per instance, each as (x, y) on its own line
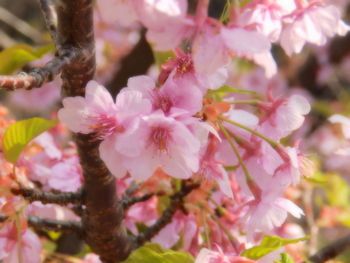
(160, 138)
(163, 102)
(184, 65)
(104, 125)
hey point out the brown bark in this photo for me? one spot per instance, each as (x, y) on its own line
(38, 76)
(102, 217)
(331, 251)
(62, 198)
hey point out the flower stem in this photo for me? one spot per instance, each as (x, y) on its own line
(273, 143)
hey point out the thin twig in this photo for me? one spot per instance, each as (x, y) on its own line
(50, 224)
(37, 77)
(60, 198)
(176, 201)
(332, 250)
(54, 225)
(20, 25)
(131, 189)
(129, 201)
(50, 18)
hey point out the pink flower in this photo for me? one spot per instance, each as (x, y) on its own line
(181, 226)
(165, 20)
(37, 99)
(94, 113)
(48, 144)
(313, 22)
(112, 158)
(344, 123)
(158, 141)
(66, 175)
(144, 212)
(290, 171)
(244, 42)
(213, 169)
(266, 17)
(269, 211)
(210, 59)
(12, 250)
(116, 12)
(171, 96)
(186, 70)
(51, 211)
(283, 116)
(98, 113)
(250, 44)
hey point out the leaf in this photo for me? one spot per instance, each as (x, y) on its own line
(268, 245)
(285, 258)
(162, 57)
(318, 178)
(153, 253)
(223, 91)
(338, 191)
(19, 55)
(19, 134)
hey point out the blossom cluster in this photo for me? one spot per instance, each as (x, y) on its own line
(178, 125)
(189, 121)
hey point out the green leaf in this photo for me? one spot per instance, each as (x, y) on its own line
(19, 55)
(268, 245)
(338, 191)
(19, 134)
(162, 57)
(225, 90)
(318, 178)
(285, 258)
(153, 253)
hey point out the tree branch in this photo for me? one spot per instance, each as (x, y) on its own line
(50, 18)
(103, 214)
(37, 77)
(176, 201)
(129, 201)
(331, 251)
(60, 198)
(55, 225)
(50, 224)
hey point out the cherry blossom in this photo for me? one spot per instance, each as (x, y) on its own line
(159, 141)
(313, 22)
(269, 212)
(284, 116)
(14, 250)
(344, 123)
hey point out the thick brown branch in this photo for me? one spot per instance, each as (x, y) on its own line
(103, 212)
(50, 224)
(332, 250)
(37, 77)
(176, 201)
(60, 198)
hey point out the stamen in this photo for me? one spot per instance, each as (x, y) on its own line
(160, 137)
(104, 125)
